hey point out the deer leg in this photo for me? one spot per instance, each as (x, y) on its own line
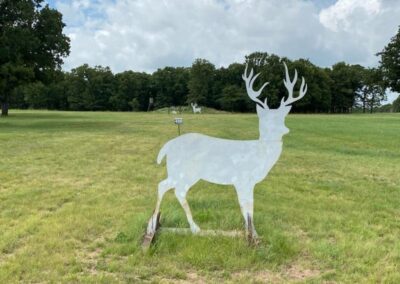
(246, 202)
(163, 187)
(181, 196)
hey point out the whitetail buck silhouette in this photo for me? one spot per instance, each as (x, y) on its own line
(195, 108)
(243, 164)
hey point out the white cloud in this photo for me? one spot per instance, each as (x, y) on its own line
(358, 29)
(341, 14)
(391, 97)
(144, 35)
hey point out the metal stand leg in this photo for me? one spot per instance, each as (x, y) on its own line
(149, 237)
(252, 240)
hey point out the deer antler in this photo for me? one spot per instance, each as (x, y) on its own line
(290, 85)
(253, 95)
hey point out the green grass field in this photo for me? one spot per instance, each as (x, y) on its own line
(77, 189)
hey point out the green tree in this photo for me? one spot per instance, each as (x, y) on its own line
(13, 76)
(271, 70)
(201, 81)
(125, 91)
(228, 77)
(258, 59)
(390, 63)
(32, 45)
(56, 91)
(90, 88)
(385, 108)
(78, 92)
(45, 96)
(372, 91)
(318, 97)
(232, 75)
(234, 98)
(132, 91)
(170, 86)
(346, 83)
(396, 105)
(102, 87)
(35, 95)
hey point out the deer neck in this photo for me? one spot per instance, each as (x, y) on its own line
(270, 139)
(268, 136)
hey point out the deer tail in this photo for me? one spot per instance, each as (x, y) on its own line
(162, 153)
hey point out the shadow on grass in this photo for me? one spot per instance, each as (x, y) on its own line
(58, 122)
(42, 115)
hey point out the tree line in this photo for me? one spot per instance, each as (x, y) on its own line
(337, 89)
(33, 44)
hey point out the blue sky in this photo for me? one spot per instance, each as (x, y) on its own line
(144, 35)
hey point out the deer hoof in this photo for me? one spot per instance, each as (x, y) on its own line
(255, 235)
(253, 238)
(195, 229)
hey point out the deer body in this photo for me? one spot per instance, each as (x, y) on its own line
(243, 164)
(226, 162)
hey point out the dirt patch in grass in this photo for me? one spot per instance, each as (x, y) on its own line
(193, 277)
(90, 257)
(292, 273)
(297, 272)
(264, 276)
(91, 260)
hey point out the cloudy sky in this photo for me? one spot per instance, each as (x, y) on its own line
(144, 35)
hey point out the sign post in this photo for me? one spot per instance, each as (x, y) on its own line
(178, 121)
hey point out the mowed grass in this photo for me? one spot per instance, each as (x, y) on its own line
(77, 189)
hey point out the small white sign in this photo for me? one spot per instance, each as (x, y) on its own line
(178, 120)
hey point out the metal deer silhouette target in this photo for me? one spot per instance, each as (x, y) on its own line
(195, 108)
(241, 163)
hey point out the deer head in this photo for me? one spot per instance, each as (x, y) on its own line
(272, 121)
